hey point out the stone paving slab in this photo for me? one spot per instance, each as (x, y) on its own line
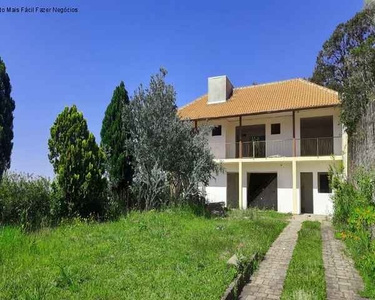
(343, 280)
(267, 282)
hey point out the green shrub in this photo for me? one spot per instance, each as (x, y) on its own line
(350, 195)
(345, 197)
(25, 200)
(362, 218)
(354, 216)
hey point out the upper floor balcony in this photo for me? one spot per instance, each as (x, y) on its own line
(305, 147)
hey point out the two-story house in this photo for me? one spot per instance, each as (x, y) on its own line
(276, 142)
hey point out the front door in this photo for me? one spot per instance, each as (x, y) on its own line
(232, 190)
(307, 204)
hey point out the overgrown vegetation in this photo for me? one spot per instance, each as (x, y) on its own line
(354, 217)
(150, 157)
(27, 201)
(173, 254)
(305, 277)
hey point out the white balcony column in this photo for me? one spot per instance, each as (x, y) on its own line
(240, 198)
(294, 176)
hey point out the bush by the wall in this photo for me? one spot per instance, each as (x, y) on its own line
(354, 217)
(26, 200)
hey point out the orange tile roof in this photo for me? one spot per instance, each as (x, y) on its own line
(264, 98)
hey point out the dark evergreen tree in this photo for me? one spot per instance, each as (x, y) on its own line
(7, 107)
(346, 64)
(114, 135)
(331, 68)
(78, 164)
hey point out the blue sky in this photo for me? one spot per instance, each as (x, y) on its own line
(55, 60)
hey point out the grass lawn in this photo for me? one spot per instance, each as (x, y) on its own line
(305, 277)
(154, 255)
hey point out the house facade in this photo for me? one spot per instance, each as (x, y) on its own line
(276, 142)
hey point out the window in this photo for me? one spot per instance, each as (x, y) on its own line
(216, 131)
(323, 183)
(275, 128)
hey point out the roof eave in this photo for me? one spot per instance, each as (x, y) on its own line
(262, 113)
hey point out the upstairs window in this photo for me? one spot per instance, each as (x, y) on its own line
(216, 131)
(323, 183)
(275, 128)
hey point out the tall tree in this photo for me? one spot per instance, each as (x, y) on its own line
(7, 107)
(78, 164)
(331, 68)
(359, 86)
(347, 64)
(114, 134)
(171, 160)
(369, 3)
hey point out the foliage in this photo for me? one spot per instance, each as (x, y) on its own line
(26, 200)
(347, 64)
(362, 218)
(170, 159)
(354, 216)
(305, 277)
(78, 164)
(114, 134)
(172, 254)
(7, 107)
(343, 196)
(331, 67)
(359, 87)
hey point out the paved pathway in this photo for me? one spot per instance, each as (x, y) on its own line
(267, 282)
(343, 280)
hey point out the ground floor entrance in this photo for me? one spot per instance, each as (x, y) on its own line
(262, 190)
(307, 203)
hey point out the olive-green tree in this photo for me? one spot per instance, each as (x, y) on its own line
(114, 134)
(78, 164)
(171, 160)
(7, 107)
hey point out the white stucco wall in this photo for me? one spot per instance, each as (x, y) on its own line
(216, 191)
(322, 202)
(217, 143)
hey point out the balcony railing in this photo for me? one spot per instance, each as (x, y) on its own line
(279, 148)
(316, 146)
